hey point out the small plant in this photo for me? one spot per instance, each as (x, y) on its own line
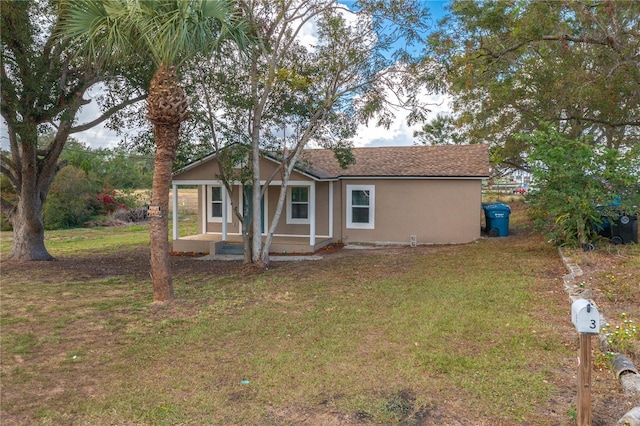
(609, 287)
(619, 287)
(621, 338)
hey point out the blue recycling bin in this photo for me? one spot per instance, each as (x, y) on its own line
(497, 219)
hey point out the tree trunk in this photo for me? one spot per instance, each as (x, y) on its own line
(35, 177)
(247, 244)
(166, 109)
(28, 229)
(256, 206)
(159, 232)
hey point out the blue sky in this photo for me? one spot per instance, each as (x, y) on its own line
(398, 134)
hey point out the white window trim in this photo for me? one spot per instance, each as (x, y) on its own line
(225, 201)
(296, 221)
(372, 206)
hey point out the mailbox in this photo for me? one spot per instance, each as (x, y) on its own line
(585, 316)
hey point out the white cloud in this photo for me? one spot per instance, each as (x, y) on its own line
(98, 136)
(399, 133)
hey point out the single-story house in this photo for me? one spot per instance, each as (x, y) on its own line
(391, 195)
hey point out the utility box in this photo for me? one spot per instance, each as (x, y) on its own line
(585, 316)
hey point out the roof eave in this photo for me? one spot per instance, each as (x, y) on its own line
(412, 177)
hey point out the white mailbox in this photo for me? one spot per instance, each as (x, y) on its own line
(585, 316)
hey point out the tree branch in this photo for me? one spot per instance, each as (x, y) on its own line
(600, 121)
(61, 165)
(108, 113)
(608, 41)
(503, 52)
(8, 173)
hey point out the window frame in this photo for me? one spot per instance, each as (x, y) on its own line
(224, 201)
(298, 221)
(372, 204)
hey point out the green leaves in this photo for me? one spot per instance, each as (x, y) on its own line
(512, 64)
(166, 32)
(573, 177)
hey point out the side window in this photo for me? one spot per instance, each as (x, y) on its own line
(298, 205)
(360, 206)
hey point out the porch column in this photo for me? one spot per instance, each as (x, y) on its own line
(331, 209)
(175, 212)
(203, 211)
(225, 201)
(312, 215)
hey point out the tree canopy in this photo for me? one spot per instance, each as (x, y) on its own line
(511, 64)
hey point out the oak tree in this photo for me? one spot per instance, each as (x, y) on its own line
(512, 64)
(43, 90)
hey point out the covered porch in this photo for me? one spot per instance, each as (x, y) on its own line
(219, 231)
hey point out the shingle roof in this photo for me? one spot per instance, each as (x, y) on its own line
(402, 161)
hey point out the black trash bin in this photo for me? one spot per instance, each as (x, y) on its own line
(623, 230)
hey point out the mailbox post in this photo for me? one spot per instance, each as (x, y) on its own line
(586, 318)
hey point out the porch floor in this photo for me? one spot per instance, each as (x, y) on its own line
(206, 243)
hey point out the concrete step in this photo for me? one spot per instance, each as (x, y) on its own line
(231, 249)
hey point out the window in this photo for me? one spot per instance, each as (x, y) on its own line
(360, 206)
(216, 199)
(298, 205)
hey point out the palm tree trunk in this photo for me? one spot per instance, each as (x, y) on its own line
(159, 233)
(166, 109)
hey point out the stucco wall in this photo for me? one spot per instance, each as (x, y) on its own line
(435, 211)
(206, 170)
(322, 211)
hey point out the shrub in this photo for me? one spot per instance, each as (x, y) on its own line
(66, 204)
(8, 193)
(110, 200)
(573, 177)
(137, 214)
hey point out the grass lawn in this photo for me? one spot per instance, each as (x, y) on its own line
(475, 334)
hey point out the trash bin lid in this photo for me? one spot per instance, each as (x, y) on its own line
(497, 207)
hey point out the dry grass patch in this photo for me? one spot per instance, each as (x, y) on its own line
(471, 334)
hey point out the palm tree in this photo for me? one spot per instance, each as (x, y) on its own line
(162, 34)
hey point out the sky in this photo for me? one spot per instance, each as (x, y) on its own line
(398, 134)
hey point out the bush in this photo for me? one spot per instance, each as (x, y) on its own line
(110, 200)
(573, 176)
(67, 203)
(8, 193)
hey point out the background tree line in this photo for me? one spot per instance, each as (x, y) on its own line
(93, 185)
